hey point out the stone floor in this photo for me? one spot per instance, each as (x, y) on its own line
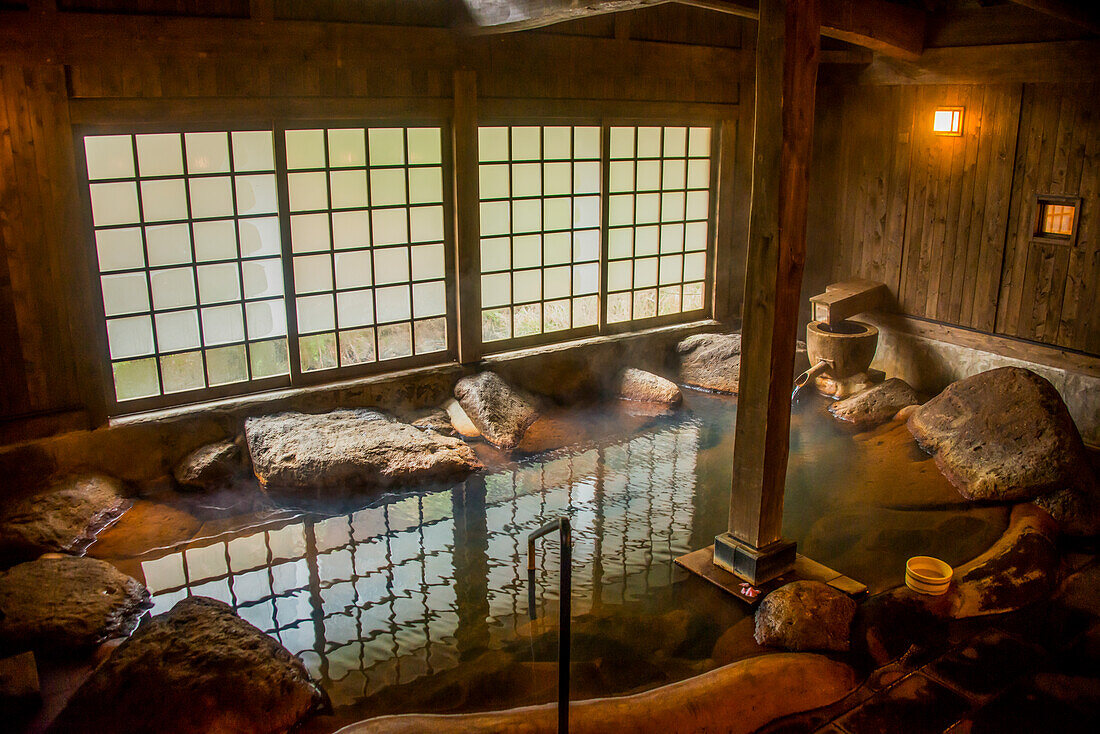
(1037, 670)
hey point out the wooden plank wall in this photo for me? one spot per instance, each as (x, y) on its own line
(96, 63)
(947, 222)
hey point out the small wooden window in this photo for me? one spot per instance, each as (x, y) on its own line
(1056, 218)
(947, 121)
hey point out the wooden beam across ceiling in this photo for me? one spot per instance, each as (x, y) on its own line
(1085, 13)
(890, 29)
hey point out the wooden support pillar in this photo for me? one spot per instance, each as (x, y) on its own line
(466, 213)
(787, 52)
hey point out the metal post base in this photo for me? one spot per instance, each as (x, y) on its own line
(755, 565)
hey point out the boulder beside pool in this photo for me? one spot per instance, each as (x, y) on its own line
(357, 448)
(66, 605)
(196, 668)
(1002, 435)
(211, 465)
(735, 699)
(805, 615)
(711, 361)
(500, 413)
(645, 387)
(64, 518)
(876, 405)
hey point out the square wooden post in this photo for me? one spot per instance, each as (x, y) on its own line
(787, 50)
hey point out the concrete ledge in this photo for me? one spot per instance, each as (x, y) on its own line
(930, 356)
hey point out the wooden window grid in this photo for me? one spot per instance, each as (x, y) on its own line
(289, 353)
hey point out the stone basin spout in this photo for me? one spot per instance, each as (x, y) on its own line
(848, 347)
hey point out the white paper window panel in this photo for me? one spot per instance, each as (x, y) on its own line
(672, 206)
(387, 146)
(698, 174)
(308, 191)
(495, 218)
(392, 303)
(119, 249)
(698, 204)
(695, 266)
(671, 269)
(355, 308)
(426, 224)
(585, 279)
(526, 251)
(312, 273)
(305, 149)
(620, 243)
(675, 142)
(315, 313)
(428, 262)
(207, 152)
(350, 229)
(347, 148)
(527, 286)
(526, 179)
(253, 150)
(495, 254)
(493, 181)
(429, 299)
(645, 272)
(354, 269)
(265, 319)
(389, 226)
(309, 232)
(425, 185)
(177, 330)
(387, 186)
(130, 337)
(586, 245)
(219, 283)
(557, 247)
(215, 240)
(646, 240)
(222, 325)
(496, 290)
(114, 203)
(425, 145)
(558, 178)
(674, 174)
(172, 288)
(557, 213)
(159, 154)
(262, 278)
(391, 265)
(109, 156)
(557, 281)
(259, 237)
(649, 142)
(526, 216)
(619, 275)
(124, 294)
(168, 244)
(163, 200)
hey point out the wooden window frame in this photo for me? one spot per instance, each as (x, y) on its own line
(1040, 203)
(502, 118)
(295, 377)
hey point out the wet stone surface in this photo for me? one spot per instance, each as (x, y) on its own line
(925, 707)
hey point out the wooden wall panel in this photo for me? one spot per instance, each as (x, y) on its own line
(1051, 292)
(947, 222)
(36, 227)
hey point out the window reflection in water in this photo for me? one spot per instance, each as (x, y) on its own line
(392, 592)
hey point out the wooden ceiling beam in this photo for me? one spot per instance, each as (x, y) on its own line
(884, 27)
(1086, 14)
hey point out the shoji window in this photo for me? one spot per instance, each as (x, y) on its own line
(659, 202)
(188, 246)
(366, 226)
(540, 230)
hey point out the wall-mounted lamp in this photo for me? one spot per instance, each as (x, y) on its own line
(947, 121)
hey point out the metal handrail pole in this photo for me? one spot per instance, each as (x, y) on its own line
(565, 594)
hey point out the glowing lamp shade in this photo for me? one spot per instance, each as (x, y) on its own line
(947, 121)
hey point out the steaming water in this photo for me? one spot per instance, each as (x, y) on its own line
(417, 600)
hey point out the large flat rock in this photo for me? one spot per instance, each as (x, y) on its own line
(64, 518)
(500, 413)
(805, 615)
(1004, 434)
(875, 406)
(711, 361)
(66, 604)
(196, 668)
(351, 448)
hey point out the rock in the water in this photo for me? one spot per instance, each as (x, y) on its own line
(874, 407)
(65, 603)
(434, 419)
(805, 615)
(211, 465)
(461, 422)
(711, 361)
(1004, 434)
(1077, 509)
(351, 448)
(1021, 568)
(196, 668)
(64, 518)
(646, 387)
(500, 414)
